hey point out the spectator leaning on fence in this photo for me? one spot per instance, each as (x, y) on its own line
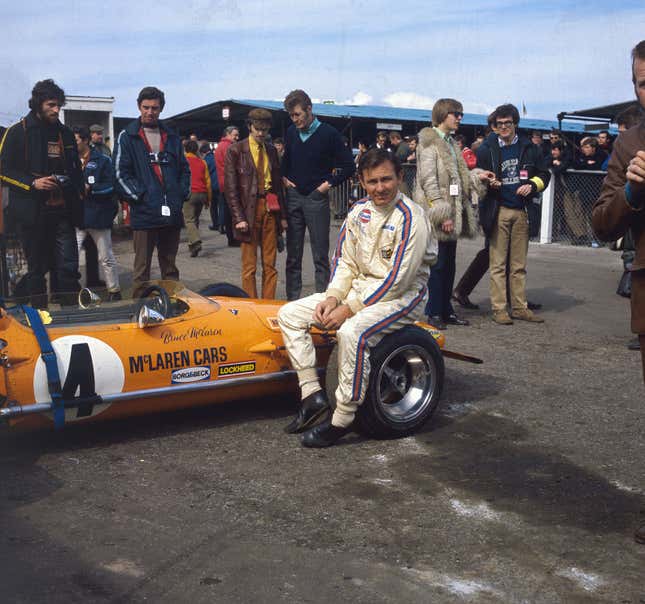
(591, 157)
(153, 175)
(445, 185)
(39, 162)
(520, 172)
(99, 208)
(621, 204)
(313, 151)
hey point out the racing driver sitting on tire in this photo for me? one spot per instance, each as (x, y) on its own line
(378, 284)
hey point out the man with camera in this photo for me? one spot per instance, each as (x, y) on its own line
(39, 162)
(152, 173)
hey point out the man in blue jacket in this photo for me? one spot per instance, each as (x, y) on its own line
(153, 174)
(99, 208)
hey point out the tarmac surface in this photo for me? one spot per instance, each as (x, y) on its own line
(526, 485)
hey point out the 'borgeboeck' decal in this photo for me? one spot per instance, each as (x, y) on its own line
(190, 374)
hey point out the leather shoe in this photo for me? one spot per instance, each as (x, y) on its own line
(323, 435)
(436, 321)
(453, 319)
(313, 408)
(464, 301)
(634, 344)
(533, 305)
(639, 534)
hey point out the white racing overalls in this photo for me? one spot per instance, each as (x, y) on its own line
(380, 270)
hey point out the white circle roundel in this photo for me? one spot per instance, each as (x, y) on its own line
(86, 366)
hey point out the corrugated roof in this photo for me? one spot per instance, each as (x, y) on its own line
(400, 114)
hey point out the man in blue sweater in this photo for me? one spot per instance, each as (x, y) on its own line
(315, 159)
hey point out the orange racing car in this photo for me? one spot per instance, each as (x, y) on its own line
(175, 348)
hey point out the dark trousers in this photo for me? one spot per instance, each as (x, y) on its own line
(226, 219)
(50, 243)
(91, 262)
(442, 278)
(214, 209)
(475, 271)
(166, 240)
(307, 212)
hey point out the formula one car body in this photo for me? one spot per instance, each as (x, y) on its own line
(171, 351)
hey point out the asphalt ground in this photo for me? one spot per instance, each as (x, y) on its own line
(526, 485)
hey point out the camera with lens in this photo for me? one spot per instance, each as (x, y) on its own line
(62, 180)
(160, 158)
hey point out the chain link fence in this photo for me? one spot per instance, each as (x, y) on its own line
(344, 195)
(574, 194)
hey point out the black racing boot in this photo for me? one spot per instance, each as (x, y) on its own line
(314, 407)
(323, 435)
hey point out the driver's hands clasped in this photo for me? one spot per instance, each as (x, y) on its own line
(330, 314)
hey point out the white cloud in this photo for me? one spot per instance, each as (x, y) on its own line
(359, 98)
(410, 100)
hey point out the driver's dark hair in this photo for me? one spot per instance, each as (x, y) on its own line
(152, 93)
(376, 157)
(45, 90)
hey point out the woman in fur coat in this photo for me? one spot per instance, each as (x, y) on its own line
(445, 186)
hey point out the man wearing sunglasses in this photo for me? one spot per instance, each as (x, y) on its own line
(521, 173)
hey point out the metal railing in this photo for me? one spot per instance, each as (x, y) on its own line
(566, 207)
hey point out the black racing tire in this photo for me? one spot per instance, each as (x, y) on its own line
(406, 380)
(223, 289)
(164, 305)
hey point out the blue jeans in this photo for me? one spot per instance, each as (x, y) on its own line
(441, 281)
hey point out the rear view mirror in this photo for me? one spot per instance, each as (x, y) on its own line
(147, 316)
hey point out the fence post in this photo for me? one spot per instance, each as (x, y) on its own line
(546, 223)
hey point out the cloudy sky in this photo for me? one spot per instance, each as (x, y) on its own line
(549, 55)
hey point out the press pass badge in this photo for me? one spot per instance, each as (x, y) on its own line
(454, 189)
(165, 210)
(90, 180)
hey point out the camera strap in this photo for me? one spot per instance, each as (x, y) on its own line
(155, 166)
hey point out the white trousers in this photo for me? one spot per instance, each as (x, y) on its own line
(355, 338)
(103, 240)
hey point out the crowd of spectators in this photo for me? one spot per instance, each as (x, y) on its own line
(159, 208)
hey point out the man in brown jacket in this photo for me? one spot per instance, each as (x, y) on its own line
(252, 184)
(621, 204)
